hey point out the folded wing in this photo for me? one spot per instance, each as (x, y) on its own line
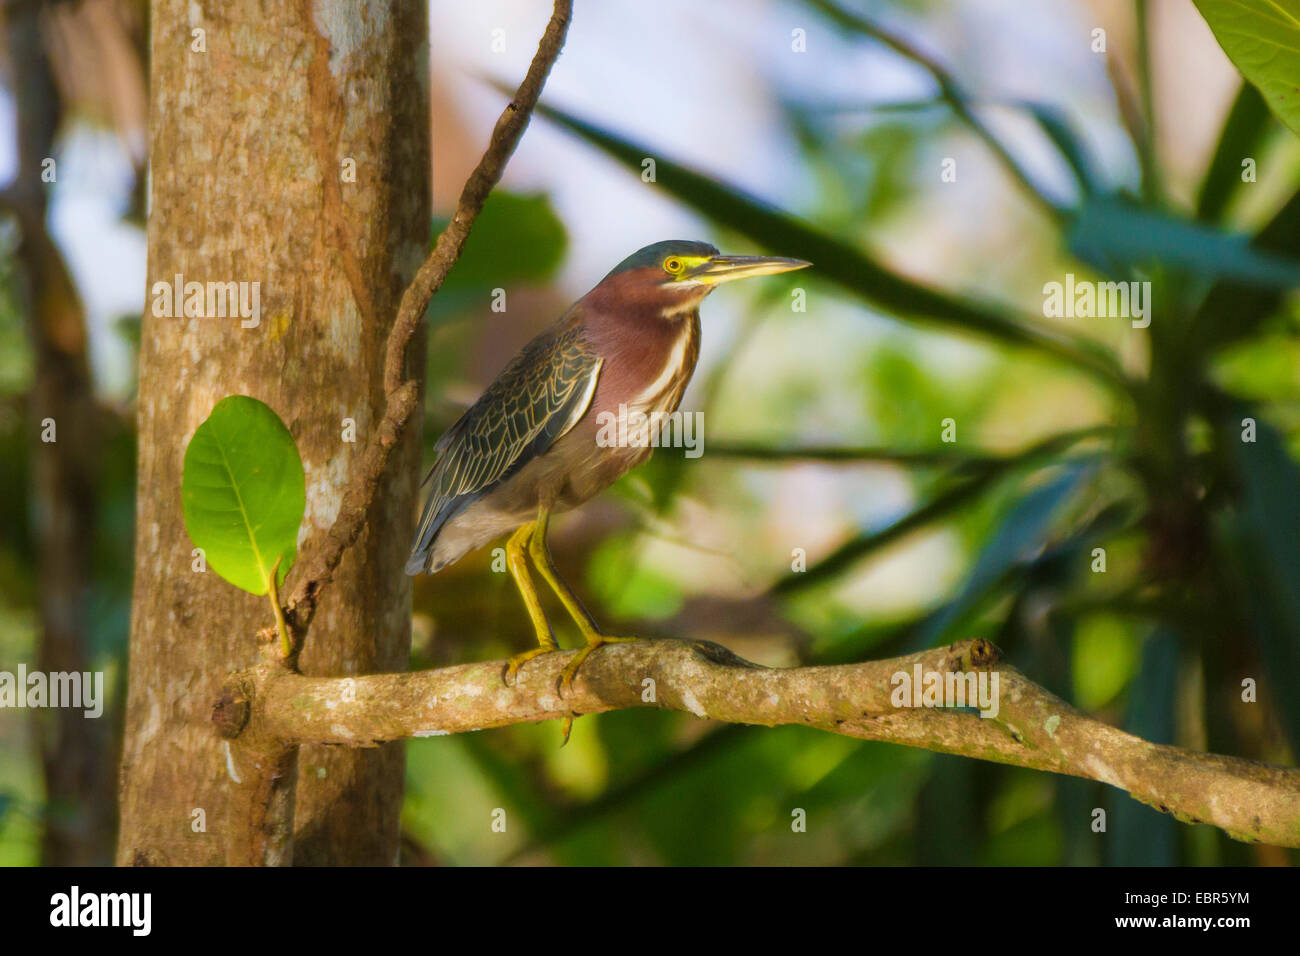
(539, 396)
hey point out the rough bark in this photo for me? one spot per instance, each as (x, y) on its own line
(247, 144)
(1032, 728)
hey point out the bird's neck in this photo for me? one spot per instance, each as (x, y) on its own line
(648, 359)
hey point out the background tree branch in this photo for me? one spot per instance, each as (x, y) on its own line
(1033, 728)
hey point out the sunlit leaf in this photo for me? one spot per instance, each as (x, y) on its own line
(1105, 660)
(244, 493)
(1262, 38)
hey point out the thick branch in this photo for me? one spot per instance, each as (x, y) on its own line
(402, 394)
(1032, 728)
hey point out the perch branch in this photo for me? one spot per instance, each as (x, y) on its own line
(322, 555)
(1032, 728)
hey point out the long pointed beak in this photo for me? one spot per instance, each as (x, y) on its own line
(726, 268)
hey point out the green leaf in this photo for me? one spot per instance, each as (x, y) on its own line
(1114, 236)
(1262, 38)
(243, 492)
(1105, 660)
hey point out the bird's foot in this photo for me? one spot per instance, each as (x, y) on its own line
(511, 672)
(565, 682)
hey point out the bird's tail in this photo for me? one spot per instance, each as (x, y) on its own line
(431, 521)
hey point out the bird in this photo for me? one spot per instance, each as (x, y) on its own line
(531, 445)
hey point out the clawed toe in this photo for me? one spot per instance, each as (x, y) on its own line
(564, 683)
(510, 673)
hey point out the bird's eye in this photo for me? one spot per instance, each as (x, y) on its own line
(673, 265)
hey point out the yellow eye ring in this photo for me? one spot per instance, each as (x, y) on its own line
(673, 265)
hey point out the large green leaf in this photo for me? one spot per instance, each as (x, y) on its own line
(1262, 38)
(243, 492)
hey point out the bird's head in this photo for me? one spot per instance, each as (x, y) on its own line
(673, 277)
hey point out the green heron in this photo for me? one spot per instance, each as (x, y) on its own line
(529, 446)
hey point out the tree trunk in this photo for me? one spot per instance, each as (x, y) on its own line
(250, 146)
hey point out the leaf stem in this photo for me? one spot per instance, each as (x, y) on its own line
(286, 646)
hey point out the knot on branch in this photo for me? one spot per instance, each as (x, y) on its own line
(717, 654)
(231, 710)
(977, 654)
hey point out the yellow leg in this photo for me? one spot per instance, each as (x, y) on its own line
(591, 632)
(518, 565)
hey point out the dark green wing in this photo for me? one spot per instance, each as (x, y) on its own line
(539, 396)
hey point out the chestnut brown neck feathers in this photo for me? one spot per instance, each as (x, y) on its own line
(649, 356)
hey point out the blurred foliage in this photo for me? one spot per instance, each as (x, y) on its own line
(21, 795)
(1140, 479)
(1072, 436)
(516, 239)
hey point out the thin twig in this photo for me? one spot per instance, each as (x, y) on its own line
(322, 555)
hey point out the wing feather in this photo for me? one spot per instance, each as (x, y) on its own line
(539, 396)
